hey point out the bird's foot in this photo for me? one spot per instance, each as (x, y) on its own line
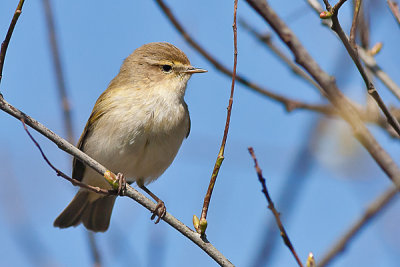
(159, 211)
(121, 184)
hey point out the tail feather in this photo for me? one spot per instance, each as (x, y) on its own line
(97, 215)
(94, 211)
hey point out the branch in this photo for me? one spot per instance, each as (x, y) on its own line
(370, 213)
(366, 57)
(344, 107)
(94, 249)
(289, 104)
(371, 64)
(394, 7)
(130, 191)
(62, 89)
(298, 174)
(357, 6)
(267, 40)
(354, 56)
(4, 44)
(60, 173)
(328, 110)
(202, 224)
(271, 206)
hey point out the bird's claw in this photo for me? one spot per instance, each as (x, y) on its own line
(121, 184)
(159, 211)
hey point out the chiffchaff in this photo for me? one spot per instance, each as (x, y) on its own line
(136, 128)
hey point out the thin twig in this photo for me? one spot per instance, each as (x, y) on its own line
(334, 95)
(346, 110)
(370, 213)
(370, 62)
(94, 249)
(354, 56)
(363, 27)
(65, 104)
(394, 7)
(298, 174)
(288, 103)
(267, 40)
(327, 110)
(354, 24)
(368, 59)
(220, 156)
(60, 173)
(4, 44)
(271, 206)
(336, 7)
(130, 191)
(62, 89)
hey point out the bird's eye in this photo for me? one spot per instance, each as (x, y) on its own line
(166, 68)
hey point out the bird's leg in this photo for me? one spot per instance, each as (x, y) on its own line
(121, 184)
(160, 209)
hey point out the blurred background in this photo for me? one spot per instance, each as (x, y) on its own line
(319, 177)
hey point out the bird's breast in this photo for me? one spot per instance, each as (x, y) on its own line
(149, 140)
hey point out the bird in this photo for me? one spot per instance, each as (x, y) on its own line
(136, 128)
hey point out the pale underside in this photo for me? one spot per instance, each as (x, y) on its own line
(149, 139)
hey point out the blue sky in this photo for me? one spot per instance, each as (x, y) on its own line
(94, 38)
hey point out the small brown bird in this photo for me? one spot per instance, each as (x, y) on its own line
(136, 128)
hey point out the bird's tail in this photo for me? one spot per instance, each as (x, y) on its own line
(89, 208)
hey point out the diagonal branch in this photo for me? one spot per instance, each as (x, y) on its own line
(370, 213)
(60, 173)
(354, 56)
(344, 107)
(366, 115)
(4, 44)
(271, 206)
(366, 57)
(287, 102)
(267, 40)
(371, 64)
(130, 191)
(394, 7)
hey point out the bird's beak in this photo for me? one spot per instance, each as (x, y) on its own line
(192, 70)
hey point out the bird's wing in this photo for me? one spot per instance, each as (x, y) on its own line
(78, 167)
(189, 124)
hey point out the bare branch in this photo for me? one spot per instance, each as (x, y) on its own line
(94, 249)
(327, 110)
(371, 64)
(130, 191)
(220, 156)
(344, 107)
(60, 173)
(287, 102)
(62, 89)
(354, 24)
(394, 7)
(368, 59)
(354, 56)
(4, 44)
(271, 206)
(267, 40)
(371, 212)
